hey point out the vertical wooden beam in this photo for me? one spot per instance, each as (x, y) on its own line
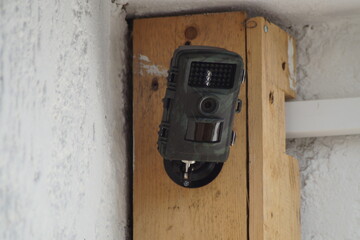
(274, 178)
(162, 209)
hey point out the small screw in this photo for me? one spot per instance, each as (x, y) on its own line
(191, 33)
(186, 183)
(266, 29)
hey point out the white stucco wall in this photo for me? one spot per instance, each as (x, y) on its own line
(328, 67)
(280, 11)
(62, 134)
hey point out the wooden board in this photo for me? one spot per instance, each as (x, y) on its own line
(274, 176)
(161, 209)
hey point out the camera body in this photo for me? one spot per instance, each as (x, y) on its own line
(199, 105)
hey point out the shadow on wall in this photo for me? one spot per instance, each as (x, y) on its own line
(116, 95)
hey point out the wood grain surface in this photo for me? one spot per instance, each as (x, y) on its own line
(162, 209)
(274, 176)
(165, 211)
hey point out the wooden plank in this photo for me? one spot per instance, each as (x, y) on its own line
(318, 118)
(274, 176)
(163, 210)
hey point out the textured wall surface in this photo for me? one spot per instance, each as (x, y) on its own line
(280, 11)
(62, 145)
(328, 67)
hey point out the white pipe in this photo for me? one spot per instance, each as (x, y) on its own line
(319, 118)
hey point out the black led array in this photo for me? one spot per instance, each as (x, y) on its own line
(212, 75)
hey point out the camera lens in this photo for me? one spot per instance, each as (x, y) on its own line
(208, 105)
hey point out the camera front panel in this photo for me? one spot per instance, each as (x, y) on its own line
(200, 104)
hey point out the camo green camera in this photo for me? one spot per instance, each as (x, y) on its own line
(200, 102)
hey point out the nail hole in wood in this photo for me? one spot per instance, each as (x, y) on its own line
(271, 97)
(283, 65)
(155, 84)
(250, 24)
(187, 43)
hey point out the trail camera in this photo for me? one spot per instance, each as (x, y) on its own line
(200, 102)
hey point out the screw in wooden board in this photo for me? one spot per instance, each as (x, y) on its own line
(155, 84)
(191, 33)
(271, 97)
(266, 28)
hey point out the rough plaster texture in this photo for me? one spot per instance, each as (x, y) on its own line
(330, 186)
(62, 128)
(281, 11)
(328, 60)
(328, 67)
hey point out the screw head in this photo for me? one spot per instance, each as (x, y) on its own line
(266, 28)
(191, 33)
(186, 183)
